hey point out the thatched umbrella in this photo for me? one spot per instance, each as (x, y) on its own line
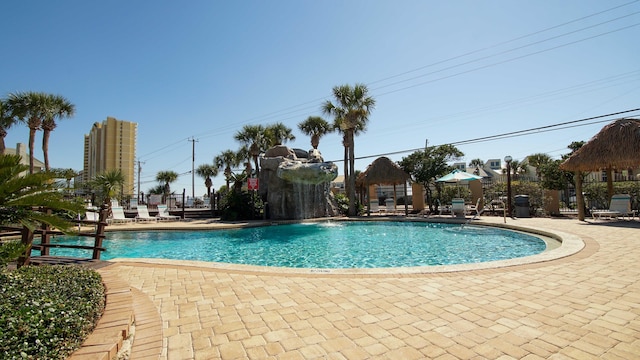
(616, 146)
(383, 171)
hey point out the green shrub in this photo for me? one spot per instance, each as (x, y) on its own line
(46, 312)
(10, 251)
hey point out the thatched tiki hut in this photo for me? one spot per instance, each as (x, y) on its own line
(616, 146)
(383, 171)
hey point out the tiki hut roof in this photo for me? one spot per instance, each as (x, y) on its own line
(383, 171)
(616, 145)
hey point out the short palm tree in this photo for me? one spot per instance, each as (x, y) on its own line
(109, 184)
(316, 127)
(538, 160)
(351, 112)
(207, 171)
(166, 178)
(254, 137)
(226, 161)
(278, 134)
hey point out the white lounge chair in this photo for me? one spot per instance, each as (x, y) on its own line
(118, 217)
(163, 214)
(143, 215)
(620, 206)
(457, 207)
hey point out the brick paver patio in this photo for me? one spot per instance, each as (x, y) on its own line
(583, 306)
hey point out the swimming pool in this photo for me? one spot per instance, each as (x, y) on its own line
(322, 245)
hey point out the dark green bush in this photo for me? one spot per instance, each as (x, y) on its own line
(241, 206)
(46, 312)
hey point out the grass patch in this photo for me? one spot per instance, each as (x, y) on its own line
(46, 312)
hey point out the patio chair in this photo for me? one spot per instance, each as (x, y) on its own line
(457, 207)
(620, 206)
(118, 217)
(143, 215)
(163, 214)
(476, 209)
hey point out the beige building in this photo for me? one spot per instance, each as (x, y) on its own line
(111, 145)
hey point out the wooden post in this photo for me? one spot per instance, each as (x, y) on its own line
(99, 236)
(27, 239)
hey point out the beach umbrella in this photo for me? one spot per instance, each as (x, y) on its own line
(457, 176)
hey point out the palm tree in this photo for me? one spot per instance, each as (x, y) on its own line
(254, 137)
(538, 161)
(6, 121)
(207, 171)
(351, 113)
(166, 178)
(476, 163)
(67, 174)
(278, 134)
(31, 107)
(227, 160)
(316, 127)
(58, 108)
(108, 183)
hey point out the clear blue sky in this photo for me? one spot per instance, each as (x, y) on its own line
(446, 71)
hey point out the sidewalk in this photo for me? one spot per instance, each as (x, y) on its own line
(581, 306)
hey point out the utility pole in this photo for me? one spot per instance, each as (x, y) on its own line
(139, 171)
(193, 173)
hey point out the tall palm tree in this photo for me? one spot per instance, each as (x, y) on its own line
(351, 113)
(278, 134)
(58, 108)
(6, 121)
(207, 171)
(166, 178)
(254, 137)
(227, 160)
(316, 127)
(33, 108)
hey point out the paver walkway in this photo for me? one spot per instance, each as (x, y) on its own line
(585, 306)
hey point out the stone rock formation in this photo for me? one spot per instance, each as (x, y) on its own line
(295, 184)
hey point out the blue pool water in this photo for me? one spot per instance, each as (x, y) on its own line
(321, 245)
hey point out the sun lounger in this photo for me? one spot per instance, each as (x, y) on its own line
(457, 207)
(143, 215)
(620, 206)
(118, 217)
(163, 214)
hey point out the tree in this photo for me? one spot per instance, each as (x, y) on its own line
(428, 165)
(351, 112)
(7, 120)
(278, 134)
(58, 108)
(67, 175)
(316, 127)
(29, 107)
(538, 160)
(227, 160)
(21, 197)
(109, 183)
(165, 178)
(476, 163)
(207, 171)
(255, 138)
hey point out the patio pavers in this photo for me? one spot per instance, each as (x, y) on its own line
(582, 306)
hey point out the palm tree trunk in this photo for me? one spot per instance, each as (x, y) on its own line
(45, 148)
(32, 139)
(352, 176)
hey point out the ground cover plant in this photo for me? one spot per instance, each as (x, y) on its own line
(46, 312)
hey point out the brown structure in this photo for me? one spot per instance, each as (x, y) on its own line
(616, 146)
(383, 171)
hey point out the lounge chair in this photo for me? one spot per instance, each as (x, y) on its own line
(143, 215)
(457, 207)
(163, 214)
(118, 217)
(475, 210)
(620, 206)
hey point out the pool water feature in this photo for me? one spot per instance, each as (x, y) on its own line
(322, 245)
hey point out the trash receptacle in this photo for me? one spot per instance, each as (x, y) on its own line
(522, 206)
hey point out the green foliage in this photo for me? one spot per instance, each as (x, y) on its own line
(46, 312)
(10, 251)
(343, 203)
(552, 177)
(240, 205)
(598, 197)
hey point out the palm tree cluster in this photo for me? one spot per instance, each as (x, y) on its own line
(39, 111)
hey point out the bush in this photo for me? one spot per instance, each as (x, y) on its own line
(46, 312)
(10, 251)
(241, 206)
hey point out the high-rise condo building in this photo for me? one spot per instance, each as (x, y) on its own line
(111, 145)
